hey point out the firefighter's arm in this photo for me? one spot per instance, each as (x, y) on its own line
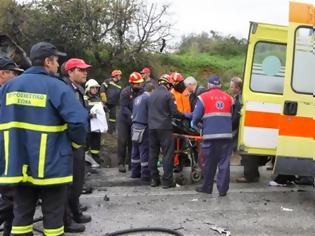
(173, 108)
(198, 113)
(103, 97)
(73, 113)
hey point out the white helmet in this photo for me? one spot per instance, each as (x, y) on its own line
(91, 83)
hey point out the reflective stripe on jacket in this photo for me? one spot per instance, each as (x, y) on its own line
(214, 108)
(40, 117)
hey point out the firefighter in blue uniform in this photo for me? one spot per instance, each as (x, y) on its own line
(140, 134)
(127, 97)
(39, 119)
(214, 108)
(109, 93)
(8, 70)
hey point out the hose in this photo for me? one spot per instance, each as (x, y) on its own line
(137, 230)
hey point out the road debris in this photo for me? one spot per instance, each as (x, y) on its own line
(220, 230)
(106, 198)
(195, 200)
(286, 209)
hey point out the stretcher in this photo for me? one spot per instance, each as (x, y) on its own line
(187, 146)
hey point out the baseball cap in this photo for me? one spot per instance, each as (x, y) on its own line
(42, 50)
(7, 64)
(145, 70)
(215, 80)
(76, 63)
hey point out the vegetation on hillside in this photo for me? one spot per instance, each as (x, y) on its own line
(124, 34)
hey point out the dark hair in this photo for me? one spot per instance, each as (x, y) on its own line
(40, 61)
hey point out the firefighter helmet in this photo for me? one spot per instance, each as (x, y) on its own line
(165, 78)
(176, 77)
(135, 78)
(91, 83)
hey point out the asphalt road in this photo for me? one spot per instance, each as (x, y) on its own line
(248, 209)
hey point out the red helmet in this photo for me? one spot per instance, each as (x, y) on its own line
(166, 79)
(135, 78)
(116, 73)
(145, 70)
(176, 77)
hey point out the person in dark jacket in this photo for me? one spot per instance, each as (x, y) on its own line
(194, 90)
(77, 73)
(162, 109)
(148, 80)
(127, 97)
(110, 92)
(8, 70)
(39, 119)
(140, 134)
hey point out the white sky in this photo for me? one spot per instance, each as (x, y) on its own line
(226, 16)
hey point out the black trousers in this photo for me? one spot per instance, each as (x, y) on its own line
(251, 165)
(6, 209)
(94, 143)
(161, 139)
(75, 189)
(53, 203)
(112, 119)
(124, 142)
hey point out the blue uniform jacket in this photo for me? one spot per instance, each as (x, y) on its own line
(39, 118)
(140, 111)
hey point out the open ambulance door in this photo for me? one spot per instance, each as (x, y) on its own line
(262, 90)
(296, 146)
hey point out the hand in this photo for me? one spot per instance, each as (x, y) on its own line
(188, 115)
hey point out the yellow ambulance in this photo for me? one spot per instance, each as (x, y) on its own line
(278, 114)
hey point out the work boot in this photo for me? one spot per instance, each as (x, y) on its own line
(82, 219)
(245, 180)
(171, 185)
(199, 189)
(74, 228)
(155, 182)
(122, 168)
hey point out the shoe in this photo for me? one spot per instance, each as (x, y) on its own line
(244, 180)
(122, 168)
(146, 179)
(135, 176)
(172, 185)
(155, 182)
(83, 208)
(222, 194)
(87, 190)
(200, 190)
(74, 228)
(81, 219)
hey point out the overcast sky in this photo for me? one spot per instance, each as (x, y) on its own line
(226, 16)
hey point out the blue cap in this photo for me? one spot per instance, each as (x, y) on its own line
(42, 50)
(215, 80)
(7, 64)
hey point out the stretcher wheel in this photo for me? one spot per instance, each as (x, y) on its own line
(195, 175)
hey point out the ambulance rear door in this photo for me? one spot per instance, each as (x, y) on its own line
(262, 90)
(296, 146)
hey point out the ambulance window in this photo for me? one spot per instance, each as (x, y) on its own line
(303, 80)
(268, 68)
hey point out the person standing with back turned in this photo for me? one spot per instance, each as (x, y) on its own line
(39, 119)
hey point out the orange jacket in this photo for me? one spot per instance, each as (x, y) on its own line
(182, 100)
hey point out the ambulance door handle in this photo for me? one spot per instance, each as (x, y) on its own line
(290, 108)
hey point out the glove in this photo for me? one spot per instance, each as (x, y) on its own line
(188, 115)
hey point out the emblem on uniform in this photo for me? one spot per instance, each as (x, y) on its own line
(219, 105)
